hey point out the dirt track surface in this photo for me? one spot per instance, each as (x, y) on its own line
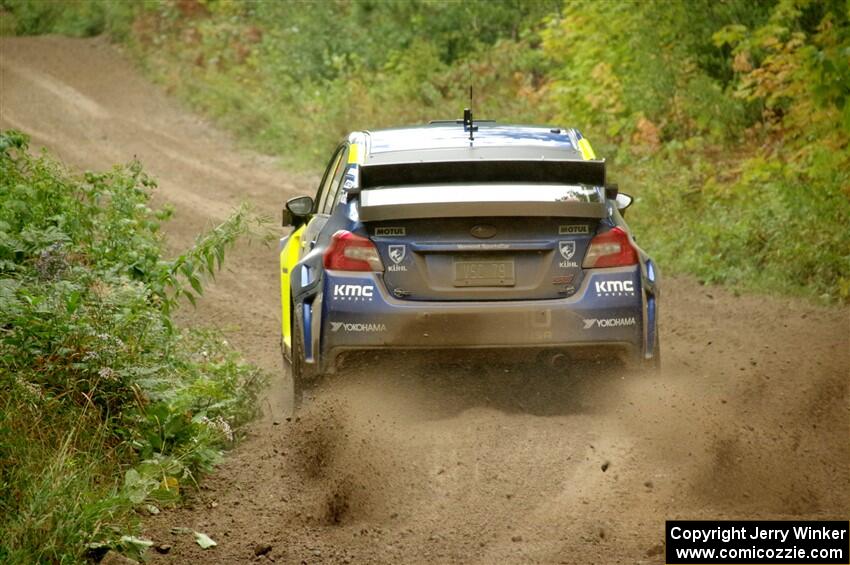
(461, 459)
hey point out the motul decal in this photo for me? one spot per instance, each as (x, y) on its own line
(389, 232)
(573, 230)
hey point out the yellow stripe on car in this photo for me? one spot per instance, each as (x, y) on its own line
(288, 258)
(586, 150)
(354, 154)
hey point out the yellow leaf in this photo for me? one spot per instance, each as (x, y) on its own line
(170, 483)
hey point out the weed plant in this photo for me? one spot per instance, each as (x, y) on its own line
(106, 408)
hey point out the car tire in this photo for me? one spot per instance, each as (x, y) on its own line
(296, 363)
(654, 364)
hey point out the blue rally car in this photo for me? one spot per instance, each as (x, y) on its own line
(464, 235)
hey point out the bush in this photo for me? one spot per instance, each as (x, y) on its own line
(104, 404)
(77, 18)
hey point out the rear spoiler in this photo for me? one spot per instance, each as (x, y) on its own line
(479, 200)
(526, 171)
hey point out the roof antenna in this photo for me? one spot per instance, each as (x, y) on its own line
(467, 118)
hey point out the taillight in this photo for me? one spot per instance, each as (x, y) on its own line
(610, 249)
(351, 252)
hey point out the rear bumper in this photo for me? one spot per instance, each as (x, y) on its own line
(354, 312)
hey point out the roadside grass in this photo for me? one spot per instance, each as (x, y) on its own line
(769, 229)
(107, 409)
(63, 497)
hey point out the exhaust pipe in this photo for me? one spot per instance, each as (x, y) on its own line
(558, 361)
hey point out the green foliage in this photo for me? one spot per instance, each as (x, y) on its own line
(104, 405)
(730, 120)
(619, 64)
(771, 209)
(77, 18)
(730, 133)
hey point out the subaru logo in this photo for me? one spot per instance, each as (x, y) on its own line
(483, 231)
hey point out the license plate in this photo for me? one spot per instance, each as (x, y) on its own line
(484, 273)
